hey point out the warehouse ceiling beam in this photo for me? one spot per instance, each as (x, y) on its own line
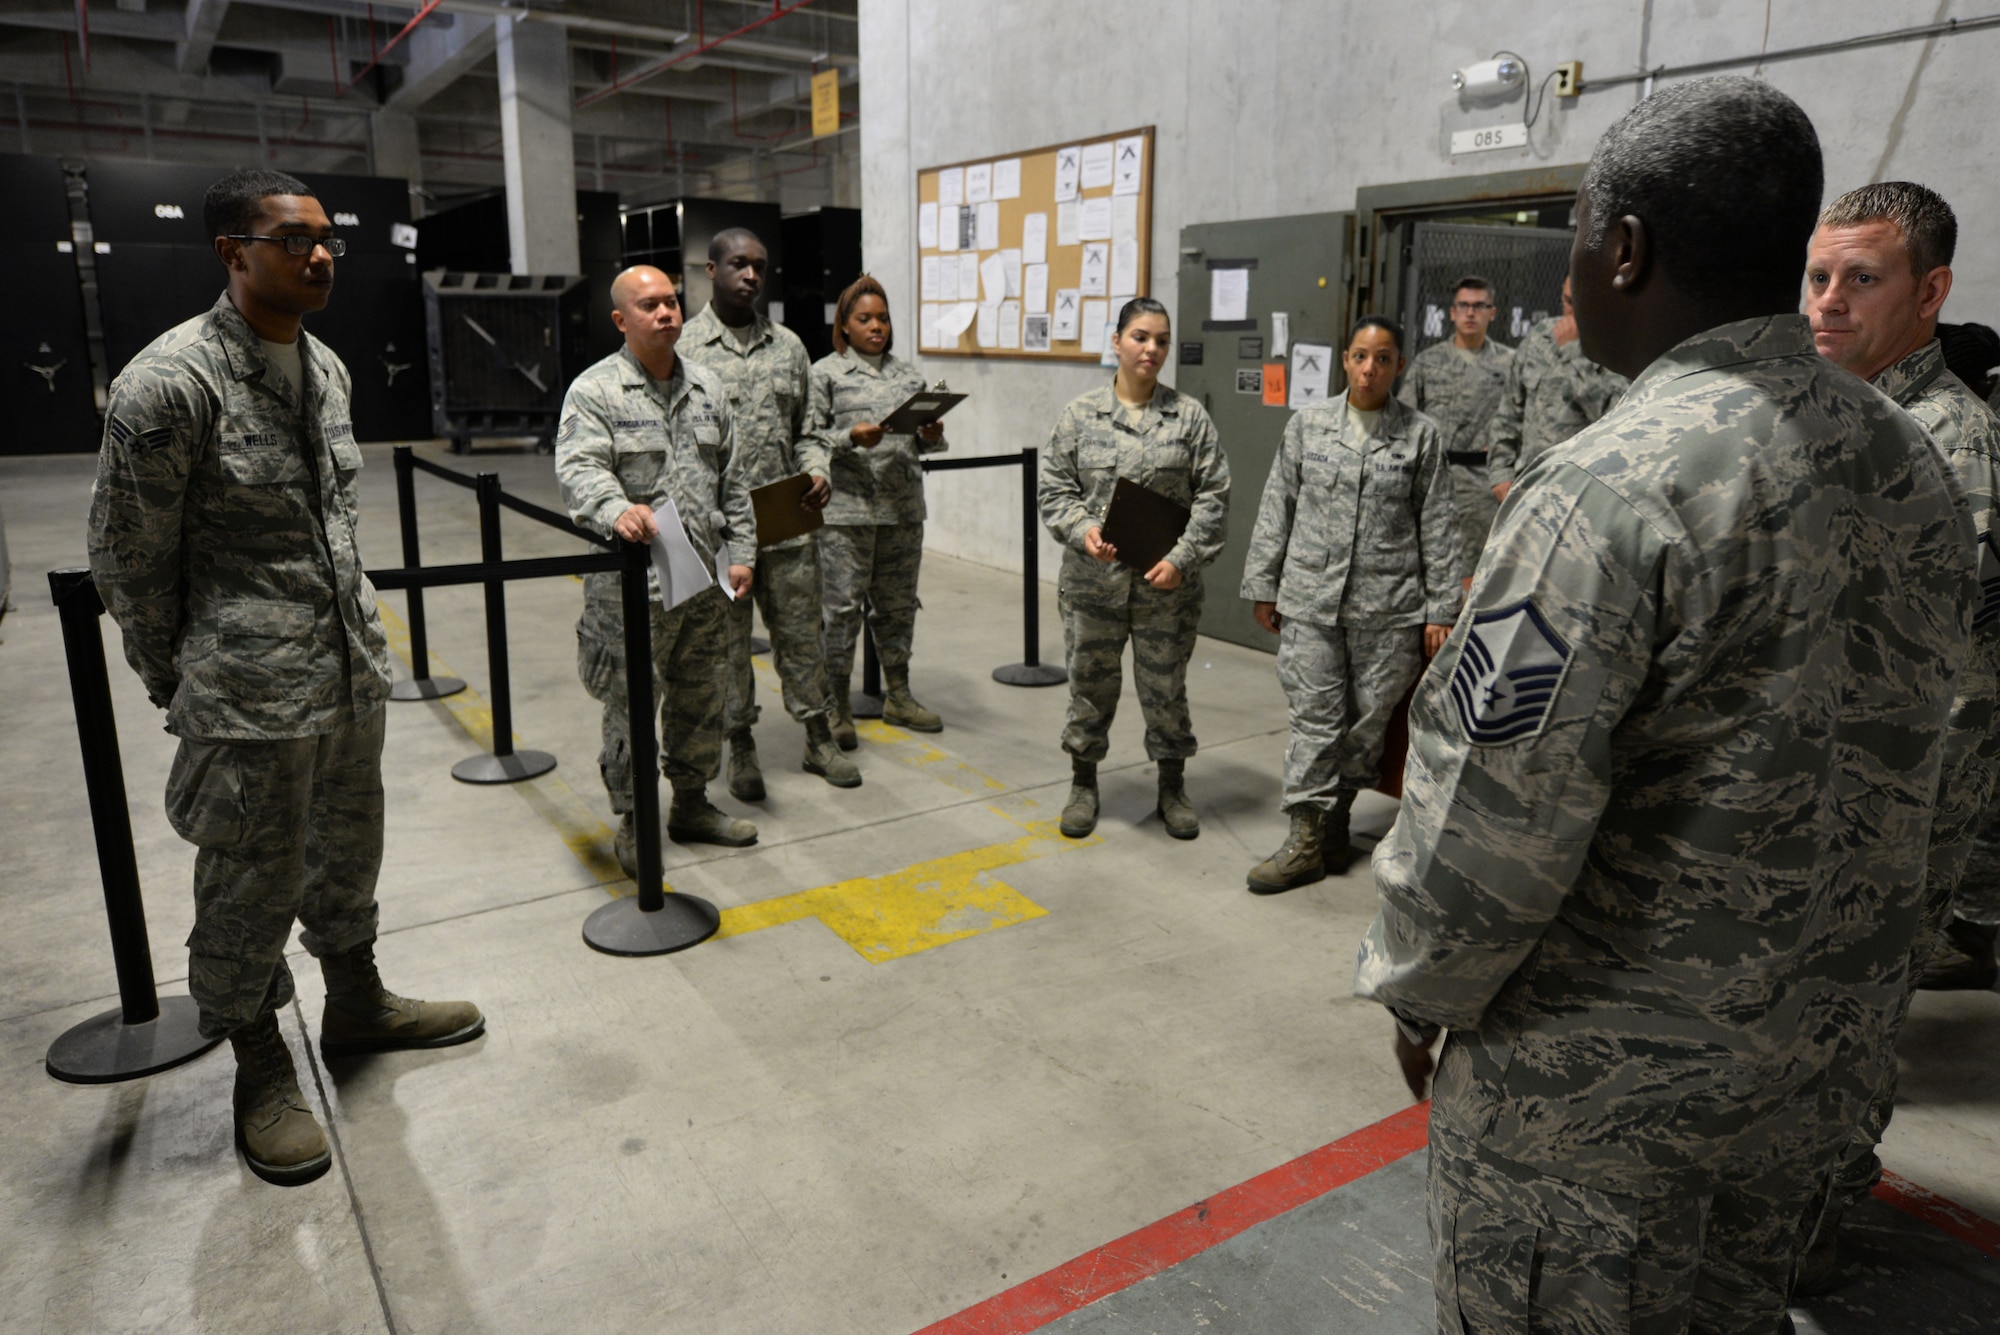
(656, 68)
(439, 57)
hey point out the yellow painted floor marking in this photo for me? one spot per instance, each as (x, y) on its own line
(554, 800)
(929, 904)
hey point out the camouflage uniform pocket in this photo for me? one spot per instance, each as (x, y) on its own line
(205, 801)
(600, 664)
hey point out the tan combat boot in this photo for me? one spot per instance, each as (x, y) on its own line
(279, 1138)
(625, 844)
(901, 708)
(823, 757)
(842, 721)
(1297, 861)
(1079, 814)
(363, 1016)
(1176, 812)
(693, 819)
(746, 777)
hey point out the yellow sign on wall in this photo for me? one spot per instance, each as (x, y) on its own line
(826, 103)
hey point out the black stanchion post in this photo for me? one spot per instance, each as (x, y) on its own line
(654, 922)
(505, 765)
(1030, 671)
(867, 702)
(145, 1034)
(420, 685)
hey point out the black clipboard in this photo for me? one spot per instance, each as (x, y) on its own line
(920, 410)
(781, 512)
(1142, 524)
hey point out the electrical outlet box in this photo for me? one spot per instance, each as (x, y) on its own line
(1569, 78)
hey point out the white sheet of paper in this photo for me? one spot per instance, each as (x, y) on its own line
(954, 320)
(1096, 270)
(989, 226)
(1128, 165)
(947, 229)
(968, 225)
(1069, 306)
(1312, 371)
(676, 564)
(1281, 332)
(1035, 238)
(1096, 314)
(1096, 165)
(722, 571)
(1010, 324)
(1035, 333)
(1109, 357)
(1124, 217)
(927, 281)
(1094, 224)
(993, 278)
(951, 187)
(927, 322)
(1007, 178)
(927, 226)
(1069, 220)
(1035, 287)
(1124, 268)
(1228, 294)
(989, 324)
(1069, 164)
(1010, 260)
(979, 183)
(968, 276)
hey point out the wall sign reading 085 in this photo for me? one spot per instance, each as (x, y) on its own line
(1489, 137)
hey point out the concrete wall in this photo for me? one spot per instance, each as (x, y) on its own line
(1269, 107)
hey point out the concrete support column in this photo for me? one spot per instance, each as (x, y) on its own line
(540, 152)
(392, 148)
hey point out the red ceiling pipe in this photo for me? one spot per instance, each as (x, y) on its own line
(390, 45)
(661, 66)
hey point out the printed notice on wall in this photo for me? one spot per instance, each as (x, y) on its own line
(1035, 287)
(1124, 268)
(1094, 223)
(1096, 269)
(1127, 164)
(927, 226)
(927, 281)
(1069, 223)
(1067, 313)
(1069, 163)
(1124, 217)
(951, 187)
(1097, 171)
(1010, 324)
(927, 322)
(989, 226)
(1035, 238)
(1228, 294)
(1007, 179)
(1312, 372)
(1035, 333)
(979, 183)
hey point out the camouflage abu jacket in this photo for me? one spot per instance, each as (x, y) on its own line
(1173, 450)
(1357, 532)
(222, 536)
(1552, 392)
(1661, 853)
(1457, 391)
(883, 484)
(769, 385)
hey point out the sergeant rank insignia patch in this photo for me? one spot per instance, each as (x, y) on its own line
(1507, 674)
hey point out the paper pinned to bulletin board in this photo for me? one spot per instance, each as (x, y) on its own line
(1065, 230)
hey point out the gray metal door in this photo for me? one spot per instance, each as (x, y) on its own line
(1301, 268)
(1527, 265)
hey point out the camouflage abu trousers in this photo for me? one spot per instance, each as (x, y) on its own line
(1161, 627)
(1343, 686)
(288, 831)
(1978, 896)
(689, 648)
(1516, 1252)
(786, 591)
(1472, 496)
(873, 566)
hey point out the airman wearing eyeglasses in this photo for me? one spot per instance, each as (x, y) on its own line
(222, 539)
(1456, 382)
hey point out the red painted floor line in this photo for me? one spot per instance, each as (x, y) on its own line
(1941, 1214)
(1096, 1274)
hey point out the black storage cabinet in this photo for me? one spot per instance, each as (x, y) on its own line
(46, 395)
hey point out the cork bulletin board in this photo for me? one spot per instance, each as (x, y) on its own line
(1028, 256)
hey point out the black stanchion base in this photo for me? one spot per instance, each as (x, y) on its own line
(104, 1049)
(863, 705)
(759, 645)
(623, 928)
(1030, 674)
(425, 688)
(483, 768)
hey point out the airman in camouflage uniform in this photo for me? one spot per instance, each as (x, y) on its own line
(769, 385)
(630, 439)
(1459, 389)
(1552, 392)
(1357, 546)
(1659, 864)
(223, 542)
(1170, 447)
(872, 547)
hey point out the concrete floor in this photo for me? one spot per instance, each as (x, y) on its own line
(937, 1049)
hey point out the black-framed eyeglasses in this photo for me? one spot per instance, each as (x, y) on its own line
(1456, 305)
(298, 243)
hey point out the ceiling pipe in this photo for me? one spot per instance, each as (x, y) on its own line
(659, 67)
(429, 8)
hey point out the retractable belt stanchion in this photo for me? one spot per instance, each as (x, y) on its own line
(147, 1033)
(420, 684)
(655, 922)
(505, 765)
(867, 702)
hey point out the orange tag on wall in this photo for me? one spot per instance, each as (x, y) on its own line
(1274, 384)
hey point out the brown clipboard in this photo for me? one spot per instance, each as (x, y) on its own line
(1142, 524)
(920, 410)
(781, 512)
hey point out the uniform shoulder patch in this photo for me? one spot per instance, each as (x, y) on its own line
(1988, 611)
(137, 441)
(1508, 673)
